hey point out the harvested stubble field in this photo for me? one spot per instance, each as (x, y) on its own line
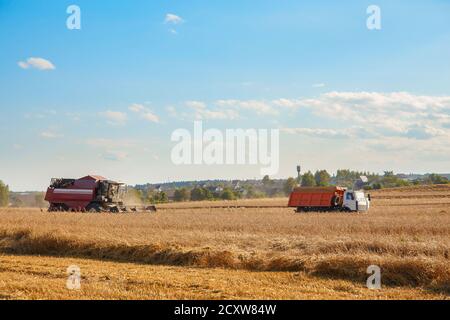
(236, 253)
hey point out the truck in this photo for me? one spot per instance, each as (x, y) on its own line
(334, 198)
(91, 193)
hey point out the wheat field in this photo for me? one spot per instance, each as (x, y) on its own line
(241, 253)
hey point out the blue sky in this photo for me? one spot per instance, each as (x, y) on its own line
(343, 96)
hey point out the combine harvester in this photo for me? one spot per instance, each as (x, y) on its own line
(88, 194)
(328, 199)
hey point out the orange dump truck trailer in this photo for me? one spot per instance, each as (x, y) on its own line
(328, 199)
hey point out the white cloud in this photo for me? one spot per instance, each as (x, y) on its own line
(198, 105)
(286, 103)
(172, 111)
(135, 107)
(17, 146)
(40, 115)
(359, 115)
(23, 65)
(114, 155)
(118, 149)
(111, 149)
(201, 112)
(50, 134)
(387, 126)
(145, 113)
(109, 143)
(389, 114)
(36, 63)
(149, 116)
(318, 85)
(424, 132)
(320, 133)
(115, 117)
(260, 107)
(173, 19)
(73, 116)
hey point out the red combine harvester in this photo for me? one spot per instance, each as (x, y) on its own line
(87, 194)
(328, 199)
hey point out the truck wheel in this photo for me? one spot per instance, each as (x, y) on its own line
(59, 207)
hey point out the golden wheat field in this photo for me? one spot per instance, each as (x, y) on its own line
(202, 251)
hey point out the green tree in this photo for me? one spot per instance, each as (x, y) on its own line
(322, 178)
(308, 179)
(436, 179)
(181, 195)
(158, 197)
(266, 180)
(200, 194)
(197, 194)
(388, 173)
(228, 194)
(377, 186)
(252, 193)
(390, 180)
(163, 198)
(4, 194)
(347, 178)
(289, 185)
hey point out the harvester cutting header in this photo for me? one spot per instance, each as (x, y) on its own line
(88, 194)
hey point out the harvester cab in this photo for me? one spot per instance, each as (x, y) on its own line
(110, 192)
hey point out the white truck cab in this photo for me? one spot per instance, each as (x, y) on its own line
(356, 201)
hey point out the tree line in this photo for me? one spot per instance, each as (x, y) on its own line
(257, 189)
(350, 179)
(4, 194)
(184, 194)
(272, 188)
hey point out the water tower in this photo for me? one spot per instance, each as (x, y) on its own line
(299, 176)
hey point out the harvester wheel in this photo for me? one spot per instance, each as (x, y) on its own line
(93, 208)
(59, 207)
(114, 210)
(150, 208)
